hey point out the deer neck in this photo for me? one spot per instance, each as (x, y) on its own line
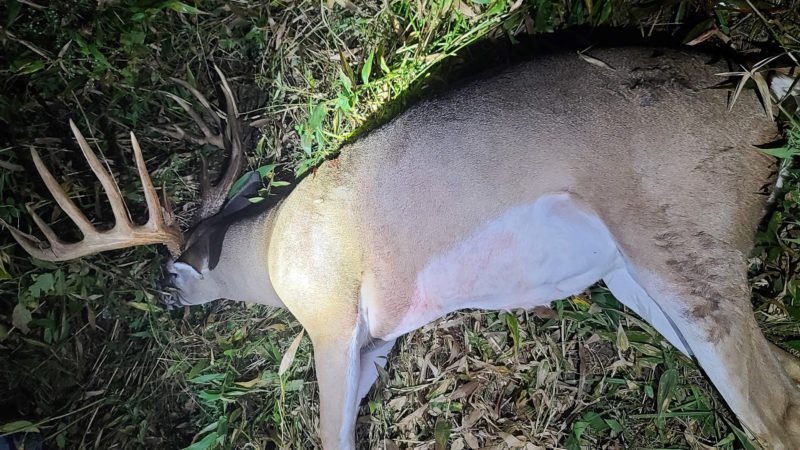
(242, 272)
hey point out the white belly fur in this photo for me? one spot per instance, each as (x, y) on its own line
(529, 256)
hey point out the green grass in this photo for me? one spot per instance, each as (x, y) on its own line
(90, 360)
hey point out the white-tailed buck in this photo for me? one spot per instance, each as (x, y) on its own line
(510, 192)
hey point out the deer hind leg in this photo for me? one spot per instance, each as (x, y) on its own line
(630, 293)
(704, 300)
(790, 363)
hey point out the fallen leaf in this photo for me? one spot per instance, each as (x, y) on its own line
(465, 390)
(21, 317)
(471, 419)
(511, 441)
(288, 358)
(413, 417)
(249, 384)
(544, 312)
(471, 440)
(595, 61)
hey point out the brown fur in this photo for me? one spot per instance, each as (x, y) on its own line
(648, 147)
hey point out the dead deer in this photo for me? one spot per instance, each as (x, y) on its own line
(510, 192)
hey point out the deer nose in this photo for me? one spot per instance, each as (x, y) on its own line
(168, 294)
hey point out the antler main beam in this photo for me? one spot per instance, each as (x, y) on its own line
(157, 230)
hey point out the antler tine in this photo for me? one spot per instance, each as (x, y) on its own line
(48, 232)
(155, 221)
(205, 184)
(150, 196)
(237, 154)
(226, 91)
(210, 138)
(60, 197)
(166, 210)
(180, 134)
(109, 185)
(33, 246)
(199, 96)
(123, 234)
(213, 197)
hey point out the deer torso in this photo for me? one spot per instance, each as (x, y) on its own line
(470, 200)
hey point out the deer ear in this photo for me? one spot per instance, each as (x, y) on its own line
(241, 199)
(204, 245)
(196, 257)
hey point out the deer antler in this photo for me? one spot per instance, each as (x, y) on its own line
(212, 197)
(157, 230)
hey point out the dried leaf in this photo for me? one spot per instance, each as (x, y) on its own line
(544, 312)
(511, 441)
(465, 390)
(149, 307)
(288, 357)
(413, 417)
(251, 383)
(21, 317)
(471, 440)
(707, 35)
(763, 90)
(279, 34)
(182, 8)
(397, 403)
(389, 445)
(622, 339)
(91, 317)
(595, 61)
(473, 418)
(465, 9)
(347, 4)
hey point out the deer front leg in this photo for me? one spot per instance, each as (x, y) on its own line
(338, 365)
(338, 370)
(345, 363)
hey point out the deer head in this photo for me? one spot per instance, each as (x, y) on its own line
(198, 271)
